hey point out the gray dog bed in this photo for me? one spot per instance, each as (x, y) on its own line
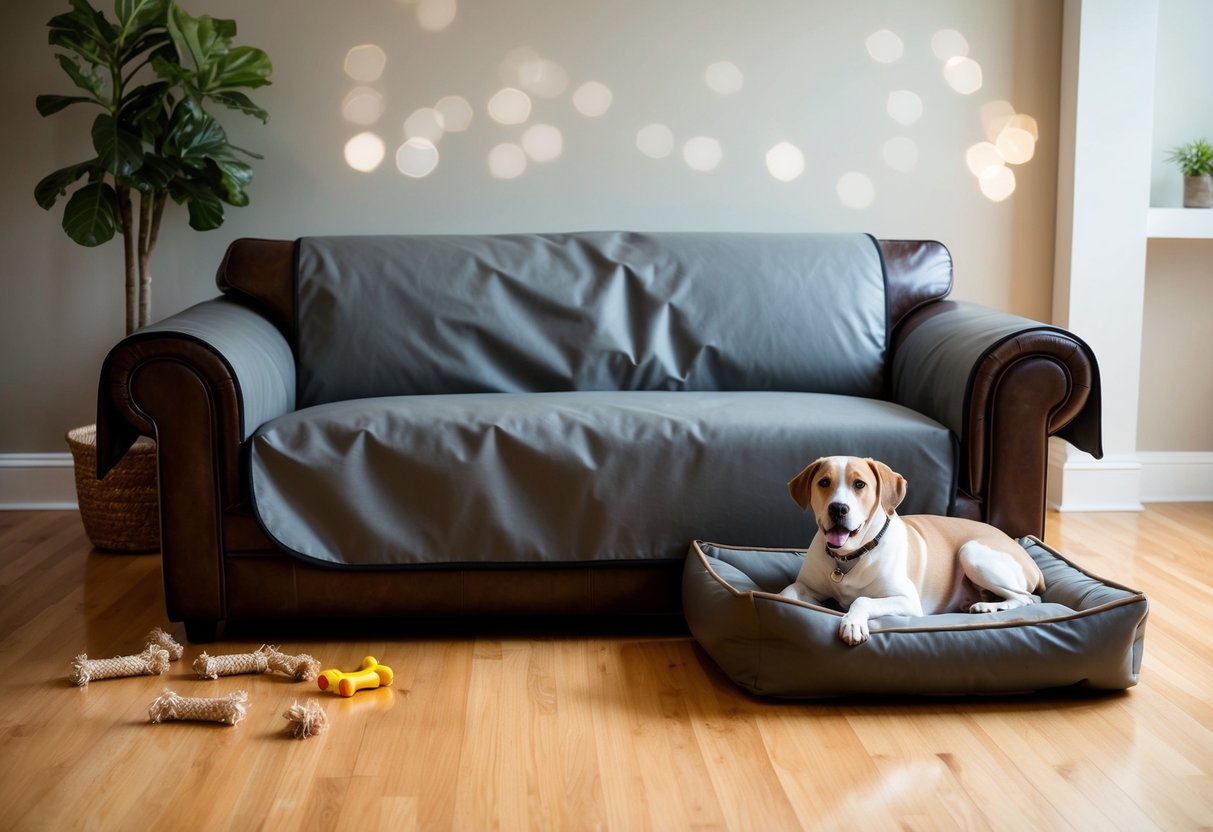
(1086, 632)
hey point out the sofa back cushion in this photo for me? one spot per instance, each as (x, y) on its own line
(407, 315)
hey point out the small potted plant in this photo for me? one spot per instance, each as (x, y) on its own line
(1195, 159)
(151, 72)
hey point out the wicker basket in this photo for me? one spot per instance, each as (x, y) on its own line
(121, 513)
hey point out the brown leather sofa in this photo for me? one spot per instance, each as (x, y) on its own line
(1009, 389)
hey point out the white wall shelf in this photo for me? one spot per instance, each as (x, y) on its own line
(1180, 223)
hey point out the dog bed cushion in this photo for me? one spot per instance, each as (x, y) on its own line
(1086, 632)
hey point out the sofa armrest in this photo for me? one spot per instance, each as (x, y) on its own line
(200, 382)
(1003, 384)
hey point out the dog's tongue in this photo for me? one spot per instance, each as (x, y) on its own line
(837, 536)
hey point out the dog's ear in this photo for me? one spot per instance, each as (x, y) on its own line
(892, 486)
(801, 486)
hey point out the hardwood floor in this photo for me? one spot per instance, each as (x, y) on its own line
(588, 731)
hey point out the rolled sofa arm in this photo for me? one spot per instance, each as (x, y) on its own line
(1003, 384)
(200, 382)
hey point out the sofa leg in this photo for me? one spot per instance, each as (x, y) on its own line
(201, 631)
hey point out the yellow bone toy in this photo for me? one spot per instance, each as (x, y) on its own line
(370, 674)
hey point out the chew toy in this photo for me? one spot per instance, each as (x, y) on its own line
(301, 668)
(212, 667)
(151, 662)
(170, 707)
(370, 674)
(162, 639)
(305, 720)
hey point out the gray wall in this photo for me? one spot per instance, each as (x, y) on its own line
(808, 80)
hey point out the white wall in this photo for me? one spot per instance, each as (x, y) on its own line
(1176, 385)
(808, 79)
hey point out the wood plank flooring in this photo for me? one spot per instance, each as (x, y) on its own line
(590, 731)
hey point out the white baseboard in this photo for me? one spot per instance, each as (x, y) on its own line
(1079, 482)
(37, 482)
(1176, 476)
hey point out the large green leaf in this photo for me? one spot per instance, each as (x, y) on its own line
(143, 103)
(133, 15)
(51, 104)
(89, 81)
(119, 149)
(155, 174)
(240, 101)
(51, 187)
(91, 215)
(205, 208)
(242, 66)
(205, 39)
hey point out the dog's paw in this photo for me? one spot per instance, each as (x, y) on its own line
(853, 631)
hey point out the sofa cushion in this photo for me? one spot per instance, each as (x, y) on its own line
(408, 315)
(593, 476)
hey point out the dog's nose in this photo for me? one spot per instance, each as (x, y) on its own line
(838, 511)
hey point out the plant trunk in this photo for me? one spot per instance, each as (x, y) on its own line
(151, 210)
(129, 252)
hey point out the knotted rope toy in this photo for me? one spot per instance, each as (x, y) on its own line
(151, 662)
(171, 707)
(305, 720)
(301, 668)
(162, 639)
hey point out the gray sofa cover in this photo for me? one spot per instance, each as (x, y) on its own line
(580, 398)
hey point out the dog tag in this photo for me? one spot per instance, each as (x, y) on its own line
(837, 575)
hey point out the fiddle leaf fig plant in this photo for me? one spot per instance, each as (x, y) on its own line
(152, 71)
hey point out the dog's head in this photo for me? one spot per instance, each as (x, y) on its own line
(847, 493)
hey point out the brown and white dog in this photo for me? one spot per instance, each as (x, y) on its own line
(876, 563)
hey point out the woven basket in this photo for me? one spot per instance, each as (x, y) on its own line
(121, 513)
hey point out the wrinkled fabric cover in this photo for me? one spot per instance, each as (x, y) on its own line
(557, 477)
(1086, 632)
(408, 315)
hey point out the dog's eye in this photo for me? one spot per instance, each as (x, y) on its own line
(824, 482)
(860, 484)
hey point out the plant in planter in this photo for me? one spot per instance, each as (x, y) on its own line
(1195, 159)
(152, 72)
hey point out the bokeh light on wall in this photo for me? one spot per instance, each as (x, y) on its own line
(363, 105)
(1016, 145)
(542, 77)
(904, 106)
(364, 152)
(963, 74)
(417, 158)
(785, 161)
(702, 153)
(997, 183)
(996, 115)
(900, 153)
(884, 46)
(365, 63)
(426, 123)
(724, 77)
(456, 113)
(507, 161)
(435, 15)
(983, 158)
(593, 99)
(655, 141)
(948, 44)
(855, 190)
(510, 106)
(543, 142)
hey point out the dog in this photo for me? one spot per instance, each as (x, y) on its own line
(876, 563)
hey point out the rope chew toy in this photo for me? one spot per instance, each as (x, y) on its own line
(212, 667)
(301, 668)
(151, 662)
(306, 720)
(162, 639)
(171, 707)
(370, 674)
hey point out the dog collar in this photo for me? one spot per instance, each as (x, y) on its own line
(839, 573)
